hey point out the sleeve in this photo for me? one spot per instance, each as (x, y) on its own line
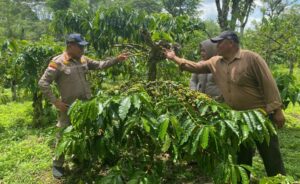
(46, 80)
(194, 82)
(267, 84)
(200, 67)
(99, 65)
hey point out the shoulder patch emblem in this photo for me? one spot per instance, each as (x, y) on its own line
(66, 62)
(52, 65)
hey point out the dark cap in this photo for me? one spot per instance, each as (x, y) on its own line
(230, 35)
(77, 38)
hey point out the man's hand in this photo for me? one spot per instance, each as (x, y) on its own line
(170, 54)
(61, 106)
(122, 57)
(278, 118)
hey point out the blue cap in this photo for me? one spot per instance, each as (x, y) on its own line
(77, 38)
(230, 35)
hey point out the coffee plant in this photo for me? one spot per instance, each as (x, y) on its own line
(289, 90)
(8, 67)
(138, 127)
(113, 29)
(32, 61)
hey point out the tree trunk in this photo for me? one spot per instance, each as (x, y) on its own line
(14, 90)
(37, 105)
(234, 14)
(240, 11)
(245, 16)
(223, 13)
(152, 69)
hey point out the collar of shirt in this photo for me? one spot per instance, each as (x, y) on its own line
(68, 58)
(234, 58)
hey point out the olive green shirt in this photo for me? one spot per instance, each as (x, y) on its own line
(245, 82)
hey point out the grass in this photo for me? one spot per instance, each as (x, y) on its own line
(26, 152)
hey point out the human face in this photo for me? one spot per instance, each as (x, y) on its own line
(224, 47)
(203, 53)
(75, 50)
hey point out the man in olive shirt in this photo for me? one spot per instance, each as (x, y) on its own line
(69, 70)
(245, 82)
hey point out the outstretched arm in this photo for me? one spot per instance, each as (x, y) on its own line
(98, 65)
(201, 67)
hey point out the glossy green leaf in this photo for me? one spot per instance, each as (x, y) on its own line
(164, 124)
(195, 143)
(166, 144)
(136, 101)
(234, 176)
(204, 137)
(176, 126)
(124, 107)
(245, 131)
(146, 125)
(203, 110)
(233, 127)
(248, 121)
(244, 176)
(188, 131)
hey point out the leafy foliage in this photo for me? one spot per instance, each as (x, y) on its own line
(239, 13)
(33, 60)
(9, 67)
(289, 91)
(144, 35)
(59, 4)
(276, 37)
(19, 21)
(133, 126)
(277, 179)
(179, 7)
(110, 26)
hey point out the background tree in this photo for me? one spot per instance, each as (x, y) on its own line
(276, 39)
(149, 6)
(33, 61)
(273, 8)
(182, 7)
(234, 13)
(19, 21)
(56, 5)
(10, 69)
(133, 30)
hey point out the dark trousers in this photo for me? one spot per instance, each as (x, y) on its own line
(270, 154)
